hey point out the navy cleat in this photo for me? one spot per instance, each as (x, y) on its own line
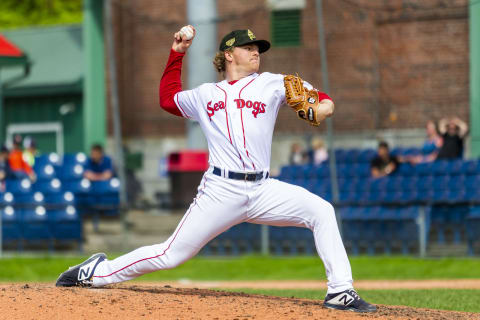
(348, 300)
(81, 275)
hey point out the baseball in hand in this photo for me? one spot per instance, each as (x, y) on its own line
(186, 33)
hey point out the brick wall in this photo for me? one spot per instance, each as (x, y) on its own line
(392, 64)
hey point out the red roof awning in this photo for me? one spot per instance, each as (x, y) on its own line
(10, 54)
(8, 49)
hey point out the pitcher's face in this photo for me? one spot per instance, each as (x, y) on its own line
(246, 58)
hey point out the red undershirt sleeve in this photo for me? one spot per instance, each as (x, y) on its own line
(171, 82)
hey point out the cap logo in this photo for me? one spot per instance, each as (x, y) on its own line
(230, 42)
(251, 35)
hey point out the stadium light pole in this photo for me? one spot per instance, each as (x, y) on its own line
(202, 14)
(326, 88)
(117, 125)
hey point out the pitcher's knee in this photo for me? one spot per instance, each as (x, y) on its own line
(324, 211)
(174, 259)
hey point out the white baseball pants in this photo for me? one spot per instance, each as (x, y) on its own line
(222, 203)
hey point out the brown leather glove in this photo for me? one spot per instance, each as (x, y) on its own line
(303, 101)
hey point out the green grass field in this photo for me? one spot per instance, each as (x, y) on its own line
(259, 268)
(45, 269)
(445, 299)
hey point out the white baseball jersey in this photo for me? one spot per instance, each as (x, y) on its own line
(237, 120)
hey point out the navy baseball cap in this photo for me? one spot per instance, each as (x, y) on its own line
(239, 38)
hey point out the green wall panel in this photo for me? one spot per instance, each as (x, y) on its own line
(47, 109)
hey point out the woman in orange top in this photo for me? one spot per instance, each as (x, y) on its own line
(18, 166)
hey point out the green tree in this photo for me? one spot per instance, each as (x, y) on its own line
(22, 13)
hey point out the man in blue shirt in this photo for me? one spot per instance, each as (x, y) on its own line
(98, 166)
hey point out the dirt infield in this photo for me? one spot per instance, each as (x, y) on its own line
(313, 285)
(44, 301)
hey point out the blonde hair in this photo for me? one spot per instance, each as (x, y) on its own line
(219, 60)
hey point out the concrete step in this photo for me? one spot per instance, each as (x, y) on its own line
(447, 250)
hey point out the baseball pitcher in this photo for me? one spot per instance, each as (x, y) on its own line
(237, 116)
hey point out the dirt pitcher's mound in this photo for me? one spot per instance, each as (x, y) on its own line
(43, 301)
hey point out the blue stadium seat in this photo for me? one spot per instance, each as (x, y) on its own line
(78, 186)
(342, 170)
(31, 199)
(44, 172)
(441, 182)
(277, 236)
(362, 170)
(377, 185)
(472, 181)
(18, 186)
(60, 200)
(410, 195)
(472, 194)
(48, 187)
(394, 183)
(289, 240)
(308, 171)
(457, 194)
(66, 225)
(454, 167)
(6, 199)
(471, 167)
(322, 171)
(473, 228)
(298, 172)
(304, 239)
(351, 171)
(252, 237)
(106, 196)
(398, 151)
(409, 182)
(286, 172)
(352, 155)
(48, 158)
(11, 226)
(341, 155)
(70, 172)
(425, 183)
(406, 169)
(441, 196)
(458, 181)
(72, 159)
(412, 151)
(35, 226)
(424, 169)
(440, 167)
(366, 156)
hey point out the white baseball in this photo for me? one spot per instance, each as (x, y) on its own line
(186, 33)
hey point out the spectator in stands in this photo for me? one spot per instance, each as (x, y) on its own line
(98, 167)
(297, 154)
(18, 167)
(453, 131)
(384, 163)
(30, 151)
(434, 142)
(430, 147)
(4, 167)
(318, 152)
